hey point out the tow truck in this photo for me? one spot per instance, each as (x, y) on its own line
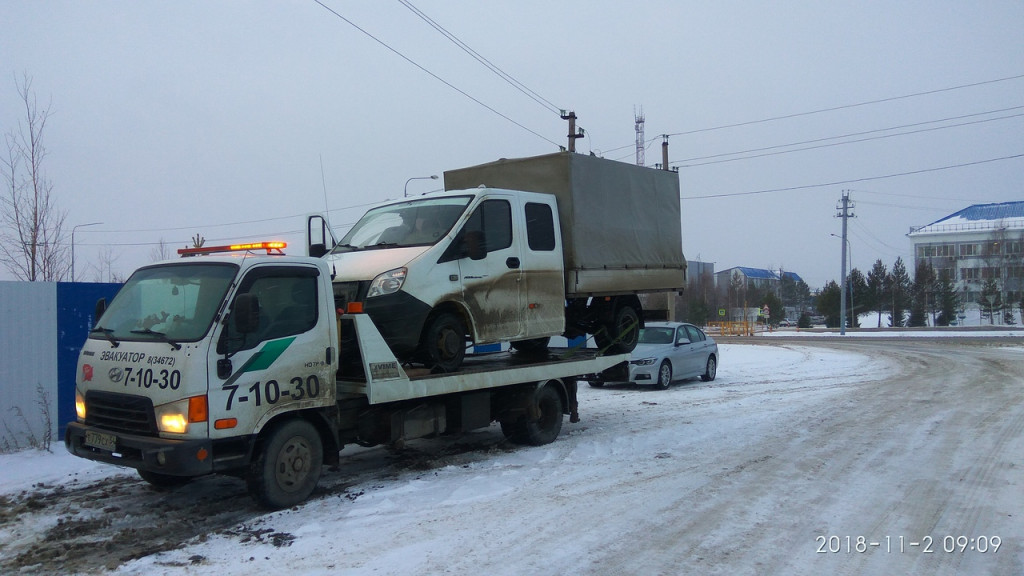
(236, 360)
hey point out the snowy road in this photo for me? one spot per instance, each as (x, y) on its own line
(799, 459)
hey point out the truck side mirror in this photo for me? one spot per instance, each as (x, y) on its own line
(474, 244)
(101, 307)
(246, 313)
(317, 250)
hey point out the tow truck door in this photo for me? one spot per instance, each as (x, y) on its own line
(286, 362)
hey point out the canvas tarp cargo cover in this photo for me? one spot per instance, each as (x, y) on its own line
(620, 222)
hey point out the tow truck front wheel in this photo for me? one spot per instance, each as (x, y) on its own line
(287, 467)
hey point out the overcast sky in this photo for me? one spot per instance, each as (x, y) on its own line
(230, 119)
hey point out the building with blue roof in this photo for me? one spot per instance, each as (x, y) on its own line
(759, 277)
(973, 245)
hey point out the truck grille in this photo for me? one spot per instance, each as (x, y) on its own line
(345, 292)
(120, 413)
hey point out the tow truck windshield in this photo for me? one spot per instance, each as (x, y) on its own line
(168, 303)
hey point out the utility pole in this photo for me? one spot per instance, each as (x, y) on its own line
(573, 132)
(845, 206)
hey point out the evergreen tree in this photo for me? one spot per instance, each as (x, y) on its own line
(898, 292)
(991, 300)
(922, 294)
(828, 303)
(947, 299)
(857, 296)
(875, 298)
(775, 308)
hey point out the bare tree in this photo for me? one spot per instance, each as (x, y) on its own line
(160, 252)
(33, 240)
(105, 270)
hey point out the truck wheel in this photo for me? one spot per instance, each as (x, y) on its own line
(287, 467)
(621, 334)
(163, 481)
(444, 342)
(545, 429)
(531, 346)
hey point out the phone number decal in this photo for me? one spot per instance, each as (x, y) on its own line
(272, 391)
(146, 377)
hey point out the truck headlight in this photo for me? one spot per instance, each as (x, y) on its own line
(79, 405)
(387, 282)
(174, 417)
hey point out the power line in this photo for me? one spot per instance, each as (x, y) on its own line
(431, 74)
(865, 179)
(481, 59)
(850, 135)
(822, 110)
(845, 106)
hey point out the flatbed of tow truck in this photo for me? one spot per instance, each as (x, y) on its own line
(384, 379)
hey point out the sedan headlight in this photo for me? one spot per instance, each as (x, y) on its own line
(387, 283)
(644, 361)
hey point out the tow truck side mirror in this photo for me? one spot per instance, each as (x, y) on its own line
(246, 313)
(101, 307)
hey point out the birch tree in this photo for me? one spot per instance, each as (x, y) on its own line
(32, 238)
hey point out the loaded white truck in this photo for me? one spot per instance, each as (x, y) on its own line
(516, 251)
(244, 361)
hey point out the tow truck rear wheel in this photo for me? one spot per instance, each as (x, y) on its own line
(287, 466)
(543, 430)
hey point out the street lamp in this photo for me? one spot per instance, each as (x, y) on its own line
(405, 192)
(73, 228)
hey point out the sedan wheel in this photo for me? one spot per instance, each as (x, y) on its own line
(665, 375)
(710, 371)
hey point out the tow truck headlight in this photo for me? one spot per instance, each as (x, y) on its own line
(174, 417)
(387, 283)
(79, 405)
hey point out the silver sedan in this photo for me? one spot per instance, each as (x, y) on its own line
(670, 351)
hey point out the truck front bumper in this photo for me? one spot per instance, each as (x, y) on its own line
(162, 455)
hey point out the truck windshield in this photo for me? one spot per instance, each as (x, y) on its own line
(419, 222)
(168, 303)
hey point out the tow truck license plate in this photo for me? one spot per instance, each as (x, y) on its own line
(101, 441)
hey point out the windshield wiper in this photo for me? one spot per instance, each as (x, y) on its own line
(109, 333)
(160, 335)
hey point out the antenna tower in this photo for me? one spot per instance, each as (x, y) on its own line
(638, 116)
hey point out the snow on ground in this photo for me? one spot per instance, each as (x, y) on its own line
(636, 456)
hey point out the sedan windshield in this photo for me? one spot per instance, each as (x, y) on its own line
(656, 335)
(419, 222)
(168, 303)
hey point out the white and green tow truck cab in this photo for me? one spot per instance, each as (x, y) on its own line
(165, 386)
